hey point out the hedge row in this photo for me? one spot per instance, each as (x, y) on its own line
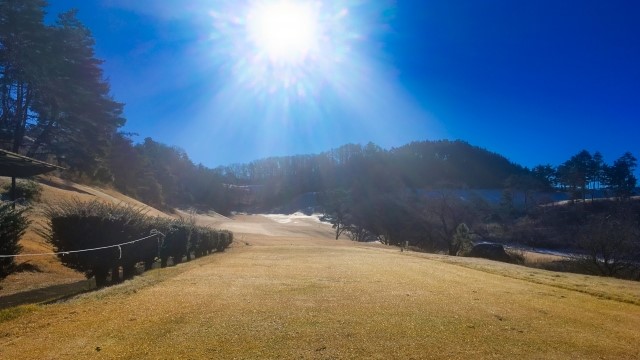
(76, 225)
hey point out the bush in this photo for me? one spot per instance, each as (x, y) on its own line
(206, 239)
(175, 244)
(225, 238)
(214, 237)
(76, 225)
(25, 189)
(13, 224)
(609, 245)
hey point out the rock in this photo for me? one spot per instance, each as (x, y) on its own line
(490, 251)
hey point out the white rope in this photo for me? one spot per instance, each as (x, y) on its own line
(153, 234)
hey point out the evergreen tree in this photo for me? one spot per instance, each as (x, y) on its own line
(576, 173)
(619, 177)
(23, 66)
(77, 124)
(13, 224)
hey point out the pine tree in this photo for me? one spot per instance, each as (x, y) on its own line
(23, 66)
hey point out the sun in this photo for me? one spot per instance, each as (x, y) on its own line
(286, 32)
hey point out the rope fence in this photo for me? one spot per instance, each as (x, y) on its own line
(154, 233)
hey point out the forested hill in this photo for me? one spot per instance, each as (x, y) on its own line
(443, 163)
(418, 165)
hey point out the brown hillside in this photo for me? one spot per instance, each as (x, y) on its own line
(46, 273)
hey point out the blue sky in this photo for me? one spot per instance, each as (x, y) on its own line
(536, 81)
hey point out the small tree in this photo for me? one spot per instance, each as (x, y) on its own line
(610, 245)
(13, 224)
(577, 173)
(619, 177)
(25, 189)
(461, 242)
(335, 205)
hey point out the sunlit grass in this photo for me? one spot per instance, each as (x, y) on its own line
(16, 312)
(311, 298)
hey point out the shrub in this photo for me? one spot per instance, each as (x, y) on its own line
(175, 244)
(461, 243)
(13, 224)
(225, 238)
(25, 189)
(609, 245)
(71, 233)
(75, 225)
(214, 238)
(517, 256)
(205, 240)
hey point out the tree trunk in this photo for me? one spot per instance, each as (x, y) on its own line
(23, 99)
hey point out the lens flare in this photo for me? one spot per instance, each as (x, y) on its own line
(282, 47)
(294, 76)
(284, 31)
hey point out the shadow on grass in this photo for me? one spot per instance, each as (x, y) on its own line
(47, 295)
(66, 186)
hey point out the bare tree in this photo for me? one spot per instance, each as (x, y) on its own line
(610, 244)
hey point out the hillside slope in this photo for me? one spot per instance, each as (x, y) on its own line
(42, 272)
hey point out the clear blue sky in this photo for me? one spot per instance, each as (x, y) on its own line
(536, 81)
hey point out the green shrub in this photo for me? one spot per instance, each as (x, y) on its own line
(461, 243)
(175, 244)
(13, 224)
(76, 225)
(205, 244)
(25, 189)
(225, 238)
(213, 241)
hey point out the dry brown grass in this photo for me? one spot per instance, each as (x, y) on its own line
(301, 297)
(286, 290)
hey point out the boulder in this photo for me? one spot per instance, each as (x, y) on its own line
(490, 251)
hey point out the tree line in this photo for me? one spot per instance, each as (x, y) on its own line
(604, 234)
(587, 174)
